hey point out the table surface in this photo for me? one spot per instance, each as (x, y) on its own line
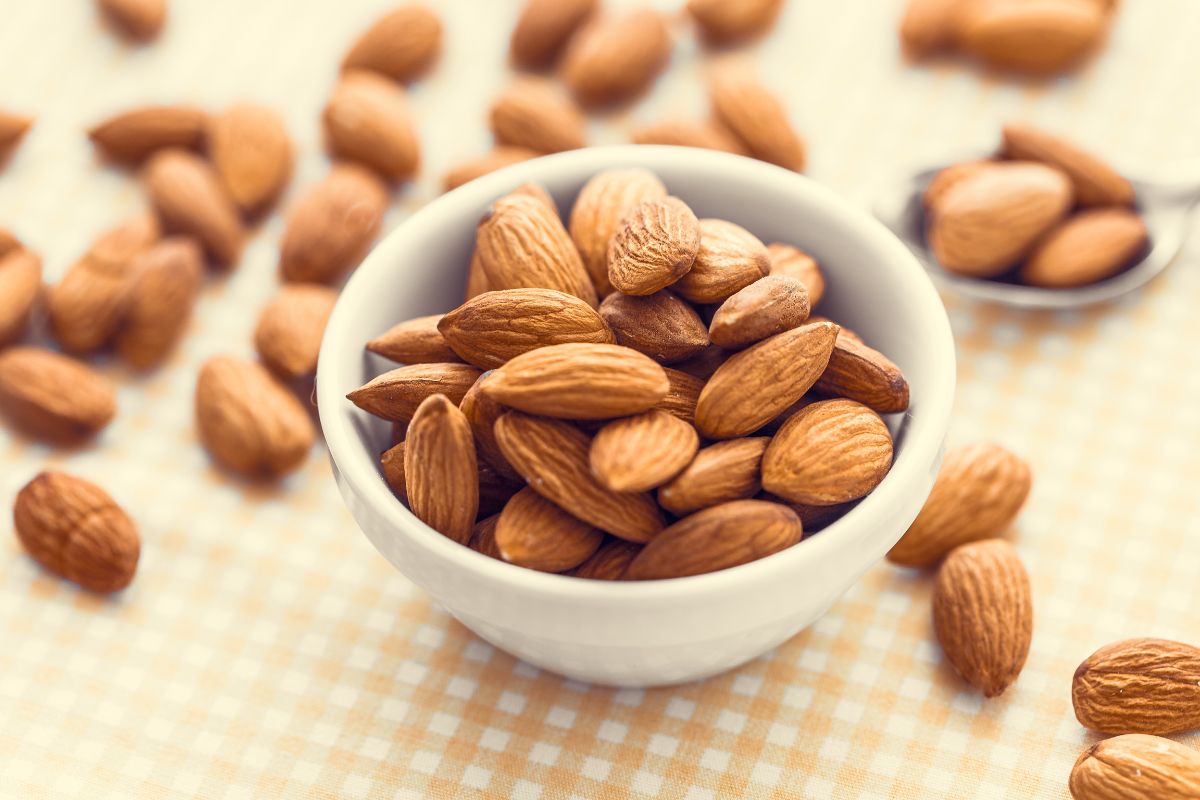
(266, 650)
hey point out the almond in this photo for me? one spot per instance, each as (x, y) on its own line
(616, 58)
(140, 20)
(290, 329)
(441, 474)
(730, 258)
(168, 277)
(495, 490)
(20, 285)
(654, 246)
(477, 282)
(579, 381)
(1035, 36)
(333, 225)
(944, 179)
(929, 26)
(248, 421)
(401, 44)
(13, 128)
(494, 327)
(772, 427)
(252, 154)
(983, 613)
(729, 20)
(497, 158)
(705, 363)
(1096, 182)
(1136, 765)
(682, 396)
(815, 518)
(717, 538)
(189, 198)
(52, 397)
(750, 389)
(9, 243)
(1139, 686)
(483, 537)
(755, 116)
(828, 452)
(857, 372)
(533, 532)
(719, 473)
(395, 395)
(979, 491)
(659, 325)
(482, 412)
(367, 120)
(544, 27)
(552, 456)
(768, 306)
(417, 341)
(609, 562)
(599, 209)
(1087, 248)
(534, 113)
(685, 133)
(988, 221)
(392, 462)
(76, 530)
(795, 263)
(131, 136)
(643, 451)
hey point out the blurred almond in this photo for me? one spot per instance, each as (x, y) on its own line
(53, 397)
(544, 27)
(1035, 36)
(659, 325)
(189, 198)
(533, 532)
(395, 395)
(1089, 247)
(133, 135)
(941, 182)
(682, 395)
(13, 128)
(929, 26)
(138, 19)
(252, 154)
(654, 246)
(290, 329)
(1136, 765)
(617, 57)
(768, 306)
(1139, 686)
(535, 114)
(642, 452)
(755, 116)
(401, 44)
(167, 282)
(367, 120)
(498, 157)
(609, 562)
(684, 133)
(416, 341)
(730, 258)
(599, 209)
(723, 21)
(1096, 182)
(20, 285)
(719, 473)
(794, 263)
(8, 242)
(482, 412)
(477, 282)
(857, 372)
(332, 225)
(441, 475)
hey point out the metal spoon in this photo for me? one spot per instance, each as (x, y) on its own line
(1166, 199)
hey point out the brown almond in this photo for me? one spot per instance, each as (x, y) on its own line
(131, 136)
(1096, 183)
(290, 329)
(401, 44)
(482, 412)
(687, 133)
(332, 225)
(857, 372)
(190, 199)
(395, 395)
(705, 363)
(140, 20)
(160, 303)
(498, 157)
(483, 537)
(983, 613)
(477, 282)
(1139, 686)
(535, 533)
(600, 207)
(544, 28)
(20, 286)
(615, 58)
(795, 263)
(13, 128)
(9, 243)
(415, 341)
(642, 452)
(929, 26)
(252, 154)
(768, 306)
(534, 113)
(815, 518)
(495, 489)
(755, 116)
(659, 325)
(723, 21)
(609, 562)
(682, 395)
(944, 179)
(1035, 36)
(53, 397)
(1136, 765)
(654, 246)
(730, 258)
(719, 473)
(717, 538)
(441, 474)
(367, 120)
(392, 462)
(1089, 247)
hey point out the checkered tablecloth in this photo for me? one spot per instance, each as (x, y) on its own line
(266, 650)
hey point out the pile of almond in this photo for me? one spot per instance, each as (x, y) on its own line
(1044, 212)
(636, 394)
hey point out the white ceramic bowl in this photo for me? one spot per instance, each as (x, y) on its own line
(654, 632)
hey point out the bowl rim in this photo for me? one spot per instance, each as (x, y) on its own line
(924, 437)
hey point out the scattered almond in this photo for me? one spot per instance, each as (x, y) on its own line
(616, 58)
(929, 26)
(367, 120)
(533, 113)
(1034, 36)
(1096, 183)
(20, 285)
(1136, 766)
(168, 277)
(1139, 686)
(252, 154)
(190, 199)
(642, 452)
(53, 397)
(654, 246)
(332, 225)
(441, 475)
(131, 136)
(1089, 247)
(544, 27)
(599, 210)
(729, 20)
(684, 133)
(794, 263)
(535, 533)
(141, 20)
(498, 157)
(755, 116)
(730, 258)
(401, 44)
(290, 329)
(768, 306)
(396, 395)
(417, 341)
(659, 325)
(719, 473)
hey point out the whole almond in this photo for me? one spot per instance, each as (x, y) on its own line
(929, 26)
(857, 372)
(983, 613)
(498, 157)
(190, 199)
(290, 329)
(534, 113)
(395, 395)
(792, 262)
(53, 397)
(979, 491)
(616, 58)
(686, 133)
(599, 209)
(642, 452)
(730, 258)
(750, 389)
(141, 20)
(482, 412)
(1035, 36)
(333, 225)
(494, 327)
(401, 44)
(535, 533)
(705, 363)
(483, 537)
(755, 116)
(248, 421)
(1096, 182)
(1139, 686)
(552, 456)
(13, 128)
(729, 20)
(544, 27)
(717, 538)
(1136, 765)
(392, 462)
(579, 381)
(20, 285)
(131, 136)
(168, 277)
(654, 246)
(252, 154)
(441, 474)
(416, 341)
(76, 530)
(828, 452)
(1092, 245)
(944, 179)
(768, 306)
(719, 473)
(659, 325)
(682, 396)
(367, 120)
(609, 562)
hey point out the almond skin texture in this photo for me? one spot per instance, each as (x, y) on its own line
(392, 462)
(659, 325)
(53, 397)
(1136, 766)
(755, 116)
(552, 456)
(252, 154)
(1139, 686)
(654, 246)
(190, 199)
(1088, 247)
(599, 209)
(1034, 36)
(290, 329)
(1096, 182)
(857, 372)
(682, 396)
(140, 20)
(750, 389)
(131, 136)
(74, 529)
(482, 412)
(795, 263)
(828, 452)
(579, 381)
(730, 258)
(983, 613)
(609, 562)
(719, 473)
(396, 395)
(643, 451)
(533, 113)
(401, 44)
(20, 285)
(768, 306)
(248, 421)
(13, 128)
(533, 532)
(494, 327)
(723, 21)
(686, 133)
(441, 474)
(333, 225)
(367, 120)
(160, 305)
(543, 29)
(928, 26)
(417, 341)
(497, 158)
(717, 538)
(979, 491)
(988, 221)
(616, 58)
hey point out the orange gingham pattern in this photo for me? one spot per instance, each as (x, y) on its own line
(266, 651)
